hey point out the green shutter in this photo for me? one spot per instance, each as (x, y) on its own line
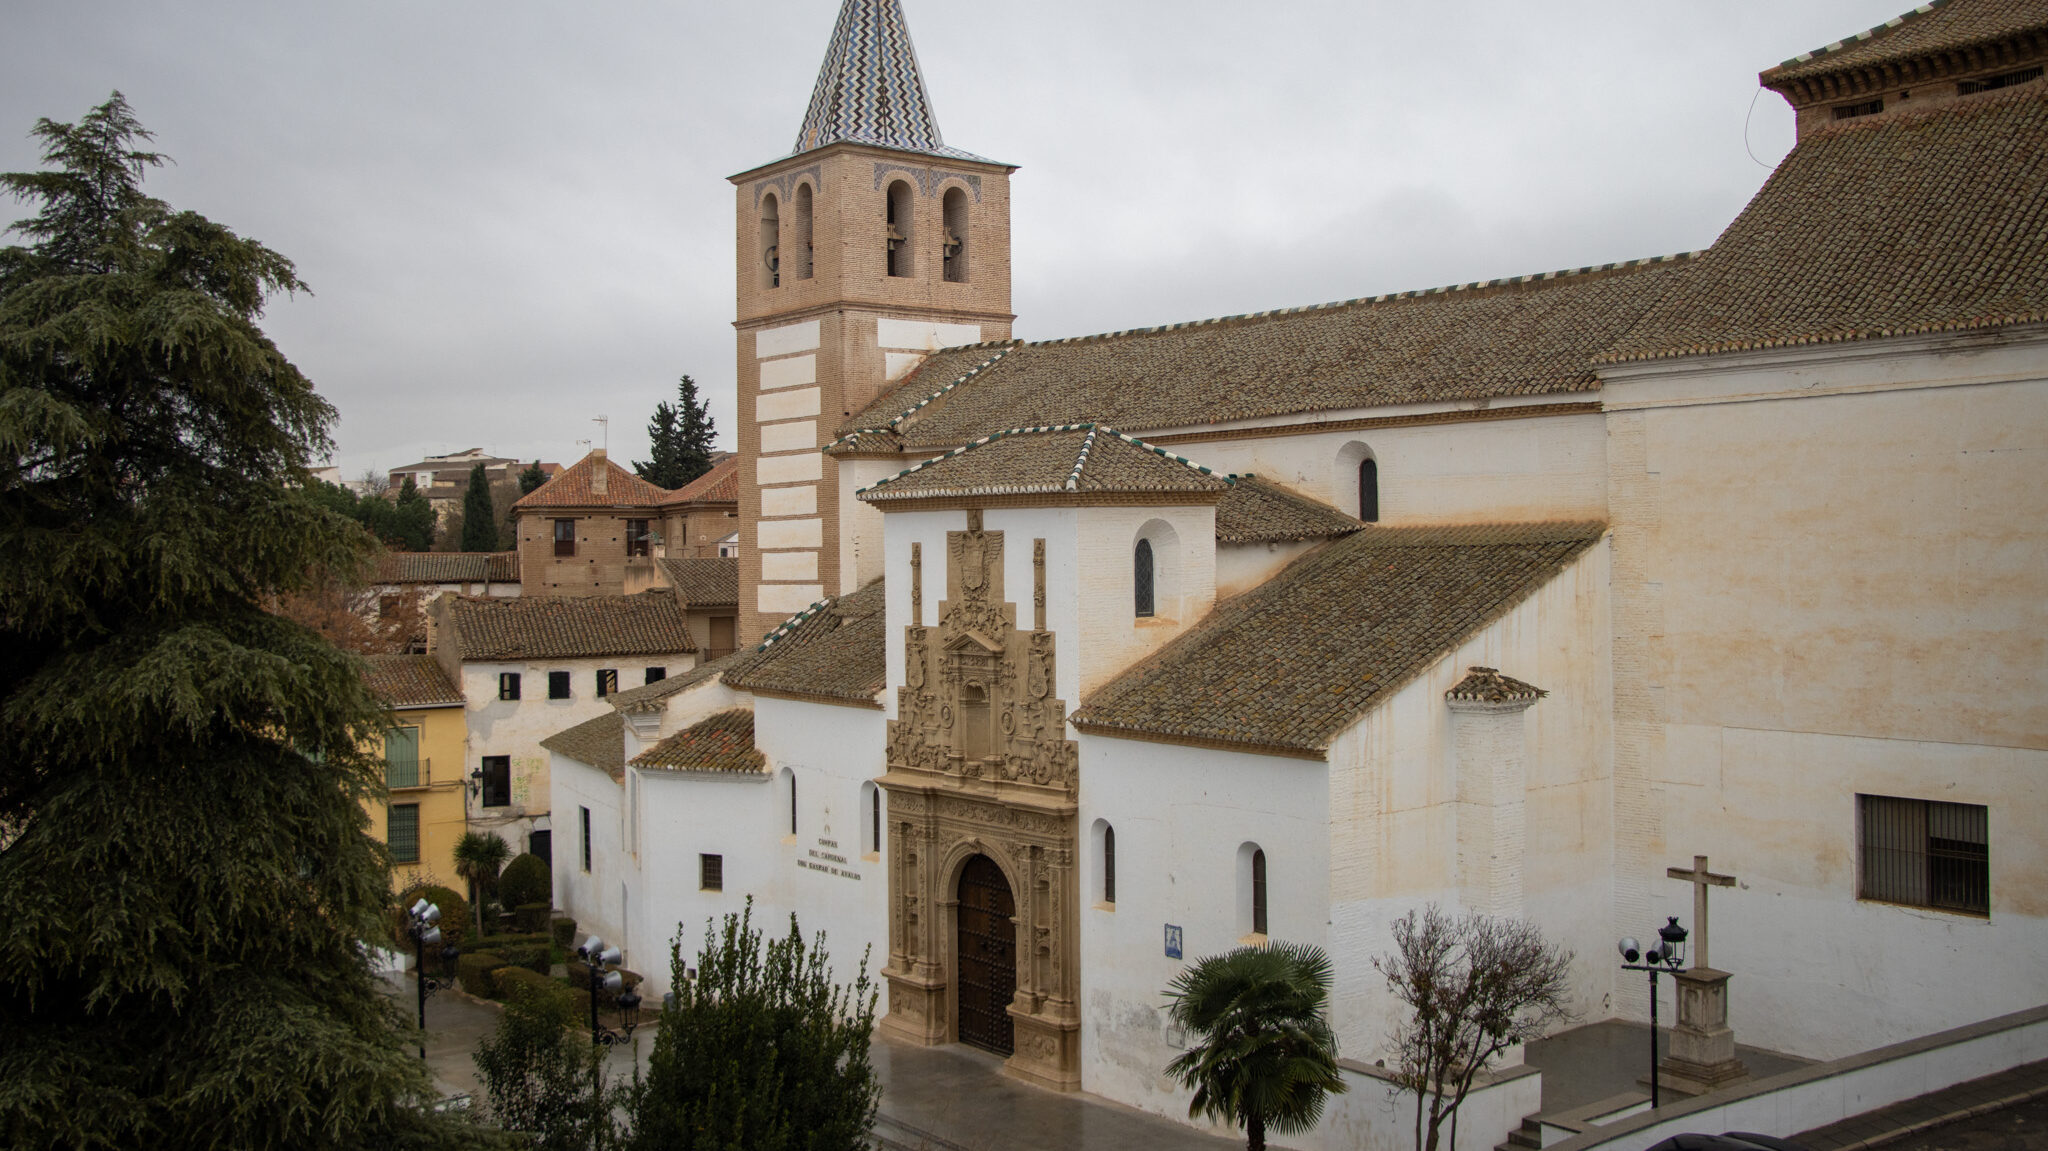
(404, 833)
(402, 757)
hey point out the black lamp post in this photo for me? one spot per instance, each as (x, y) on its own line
(1667, 954)
(422, 919)
(603, 962)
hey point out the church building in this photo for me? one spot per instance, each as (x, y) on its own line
(1064, 664)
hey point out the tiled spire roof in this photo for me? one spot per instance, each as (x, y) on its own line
(870, 90)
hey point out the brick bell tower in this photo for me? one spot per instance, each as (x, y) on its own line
(867, 247)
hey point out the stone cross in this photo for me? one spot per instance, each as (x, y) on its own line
(1701, 879)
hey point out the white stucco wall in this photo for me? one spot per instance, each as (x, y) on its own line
(591, 897)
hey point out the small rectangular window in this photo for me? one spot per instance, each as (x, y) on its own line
(607, 681)
(638, 542)
(1866, 108)
(558, 685)
(1992, 83)
(1924, 853)
(508, 685)
(656, 674)
(711, 872)
(403, 833)
(496, 784)
(583, 816)
(565, 537)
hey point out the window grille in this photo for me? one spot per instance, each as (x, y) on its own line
(508, 685)
(497, 781)
(583, 818)
(1992, 83)
(1925, 853)
(402, 757)
(558, 685)
(403, 833)
(875, 820)
(1259, 892)
(792, 803)
(565, 537)
(1142, 573)
(1108, 864)
(1867, 108)
(711, 872)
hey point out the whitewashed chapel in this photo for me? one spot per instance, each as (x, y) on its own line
(1113, 652)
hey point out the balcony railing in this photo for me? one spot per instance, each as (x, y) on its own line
(407, 772)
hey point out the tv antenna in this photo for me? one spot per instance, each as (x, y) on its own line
(604, 422)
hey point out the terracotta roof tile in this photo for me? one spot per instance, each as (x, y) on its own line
(1260, 511)
(936, 375)
(720, 485)
(569, 627)
(1290, 664)
(411, 681)
(655, 696)
(1906, 223)
(1082, 459)
(599, 742)
(722, 742)
(571, 488)
(1933, 29)
(833, 651)
(705, 581)
(448, 567)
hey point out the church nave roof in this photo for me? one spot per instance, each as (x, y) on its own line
(1256, 511)
(1287, 666)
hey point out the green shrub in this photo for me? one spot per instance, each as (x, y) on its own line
(579, 977)
(531, 917)
(474, 971)
(502, 940)
(454, 915)
(527, 879)
(513, 983)
(564, 930)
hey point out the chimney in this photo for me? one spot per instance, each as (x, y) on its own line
(600, 472)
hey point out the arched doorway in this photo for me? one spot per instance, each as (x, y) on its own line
(987, 950)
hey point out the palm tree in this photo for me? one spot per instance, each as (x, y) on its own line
(1267, 1056)
(479, 856)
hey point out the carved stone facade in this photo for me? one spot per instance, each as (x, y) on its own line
(979, 764)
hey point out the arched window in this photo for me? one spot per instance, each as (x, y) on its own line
(1356, 483)
(800, 243)
(953, 245)
(899, 232)
(1259, 892)
(788, 780)
(1369, 490)
(1108, 864)
(871, 797)
(771, 240)
(1141, 573)
(1251, 890)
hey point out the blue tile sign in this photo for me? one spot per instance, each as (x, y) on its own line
(1173, 941)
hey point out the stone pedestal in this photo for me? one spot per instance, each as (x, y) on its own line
(1702, 1053)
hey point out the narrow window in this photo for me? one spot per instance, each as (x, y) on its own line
(792, 803)
(1142, 575)
(508, 685)
(1369, 490)
(403, 833)
(1109, 864)
(1925, 853)
(899, 231)
(711, 872)
(558, 685)
(497, 781)
(1259, 892)
(583, 818)
(402, 757)
(565, 537)
(607, 681)
(638, 541)
(874, 818)
(800, 244)
(771, 240)
(1866, 108)
(656, 675)
(953, 244)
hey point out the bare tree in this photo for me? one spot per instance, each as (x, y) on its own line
(1474, 987)
(374, 482)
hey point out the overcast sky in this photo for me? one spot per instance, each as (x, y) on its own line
(515, 216)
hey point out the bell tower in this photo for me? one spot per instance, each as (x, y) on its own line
(871, 244)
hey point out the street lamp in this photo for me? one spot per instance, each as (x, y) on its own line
(422, 920)
(1667, 954)
(603, 962)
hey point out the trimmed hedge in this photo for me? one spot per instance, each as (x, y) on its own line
(516, 983)
(532, 917)
(474, 970)
(527, 879)
(520, 950)
(455, 922)
(564, 931)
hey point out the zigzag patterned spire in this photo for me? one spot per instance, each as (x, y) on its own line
(870, 90)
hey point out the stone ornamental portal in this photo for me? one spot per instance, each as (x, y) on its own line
(980, 773)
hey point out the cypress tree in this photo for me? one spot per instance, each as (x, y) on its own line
(533, 477)
(412, 520)
(479, 517)
(682, 438)
(186, 883)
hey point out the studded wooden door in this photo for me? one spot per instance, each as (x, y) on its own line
(987, 956)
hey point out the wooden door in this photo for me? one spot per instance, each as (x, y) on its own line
(987, 953)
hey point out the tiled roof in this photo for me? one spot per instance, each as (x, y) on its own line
(1258, 511)
(860, 441)
(1290, 664)
(1906, 223)
(834, 650)
(411, 681)
(569, 627)
(705, 581)
(720, 485)
(936, 375)
(1080, 459)
(448, 567)
(599, 742)
(870, 90)
(1526, 336)
(1488, 685)
(1933, 29)
(722, 742)
(571, 488)
(655, 696)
